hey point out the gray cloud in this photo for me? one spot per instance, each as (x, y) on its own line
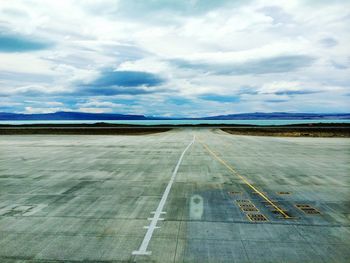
(126, 79)
(22, 77)
(248, 90)
(276, 101)
(339, 65)
(126, 52)
(328, 42)
(84, 57)
(295, 92)
(263, 66)
(278, 15)
(25, 91)
(111, 91)
(111, 83)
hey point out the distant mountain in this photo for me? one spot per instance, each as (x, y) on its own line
(279, 116)
(112, 116)
(62, 115)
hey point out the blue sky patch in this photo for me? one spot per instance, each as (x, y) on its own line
(179, 101)
(15, 43)
(220, 98)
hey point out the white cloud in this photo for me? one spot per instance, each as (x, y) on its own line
(99, 104)
(280, 86)
(95, 110)
(34, 110)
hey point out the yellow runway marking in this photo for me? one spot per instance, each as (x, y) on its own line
(245, 181)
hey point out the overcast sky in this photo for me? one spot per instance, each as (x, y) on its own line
(174, 58)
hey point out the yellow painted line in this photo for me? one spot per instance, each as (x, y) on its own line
(245, 181)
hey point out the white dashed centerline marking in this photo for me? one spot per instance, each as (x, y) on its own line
(153, 225)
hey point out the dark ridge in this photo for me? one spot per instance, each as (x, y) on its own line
(113, 116)
(279, 116)
(62, 115)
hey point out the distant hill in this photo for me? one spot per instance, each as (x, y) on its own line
(280, 116)
(62, 115)
(112, 116)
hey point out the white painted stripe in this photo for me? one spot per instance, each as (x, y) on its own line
(160, 212)
(153, 225)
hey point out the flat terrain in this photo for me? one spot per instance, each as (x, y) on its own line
(305, 130)
(92, 129)
(69, 198)
(341, 130)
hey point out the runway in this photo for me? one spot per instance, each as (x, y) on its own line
(232, 198)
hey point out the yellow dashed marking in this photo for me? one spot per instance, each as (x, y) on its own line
(245, 181)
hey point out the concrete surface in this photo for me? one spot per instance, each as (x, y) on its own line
(87, 198)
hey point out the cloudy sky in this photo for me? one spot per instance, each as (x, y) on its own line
(174, 58)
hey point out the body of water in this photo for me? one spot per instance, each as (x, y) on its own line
(178, 122)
